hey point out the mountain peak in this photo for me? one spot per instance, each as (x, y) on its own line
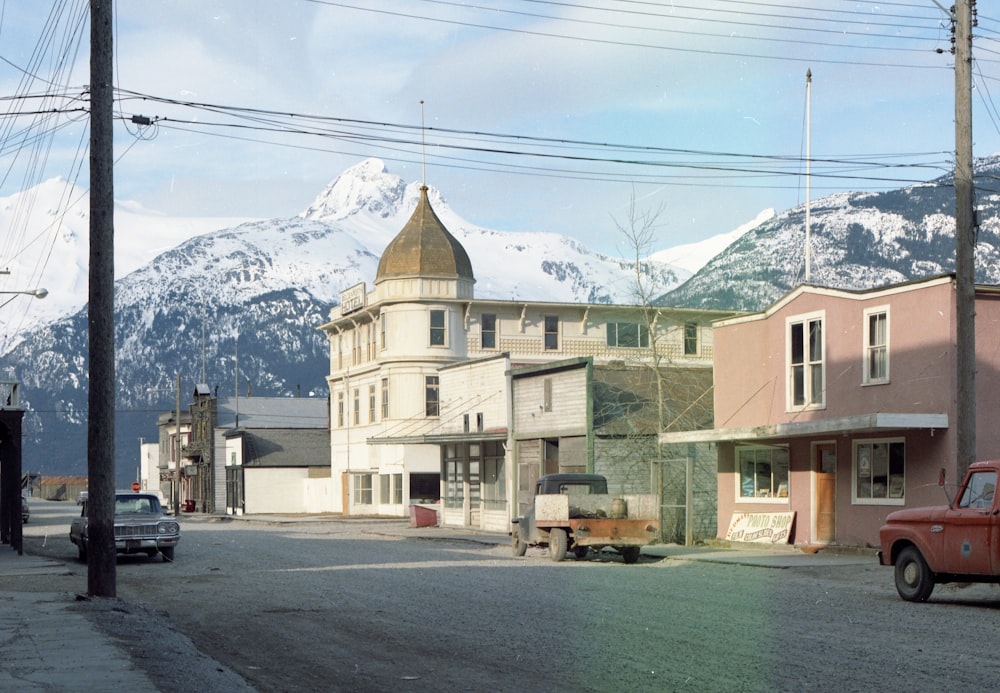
(367, 186)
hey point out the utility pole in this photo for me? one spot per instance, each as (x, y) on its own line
(101, 575)
(965, 240)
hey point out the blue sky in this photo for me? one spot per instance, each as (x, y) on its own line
(522, 99)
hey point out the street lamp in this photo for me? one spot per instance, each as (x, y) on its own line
(34, 293)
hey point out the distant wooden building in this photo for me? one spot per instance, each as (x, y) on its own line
(61, 487)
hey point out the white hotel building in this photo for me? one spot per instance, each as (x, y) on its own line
(421, 380)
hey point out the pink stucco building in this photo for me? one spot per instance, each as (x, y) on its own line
(835, 408)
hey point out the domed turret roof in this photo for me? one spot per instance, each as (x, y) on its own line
(424, 248)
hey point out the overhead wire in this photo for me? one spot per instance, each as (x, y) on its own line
(615, 42)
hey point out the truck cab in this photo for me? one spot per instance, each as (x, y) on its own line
(957, 542)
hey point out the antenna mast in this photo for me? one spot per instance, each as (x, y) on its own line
(809, 76)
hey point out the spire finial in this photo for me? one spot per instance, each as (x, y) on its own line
(423, 147)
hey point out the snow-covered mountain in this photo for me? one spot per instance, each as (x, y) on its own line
(691, 257)
(46, 245)
(859, 241)
(248, 298)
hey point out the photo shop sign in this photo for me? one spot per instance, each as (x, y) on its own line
(762, 528)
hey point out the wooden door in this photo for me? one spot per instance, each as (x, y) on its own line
(825, 469)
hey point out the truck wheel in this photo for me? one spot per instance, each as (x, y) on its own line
(580, 551)
(630, 554)
(519, 547)
(557, 544)
(914, 579)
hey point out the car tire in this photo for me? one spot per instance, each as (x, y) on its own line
(557, 544)
(168, 554)
(516, 544)
(914, 579)
(81, 550)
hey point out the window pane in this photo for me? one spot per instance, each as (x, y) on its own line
(880, 470)
(763, 472)
(798, 354)
(551, 332)
(979, 491)
(816, 393)
(798, 385)
(437, 328)
(432, 407)
(815, 340)
(628, 334)
(876, 364)
(690, 338)
(488, 330)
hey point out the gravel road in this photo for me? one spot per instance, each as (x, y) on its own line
(351, 606)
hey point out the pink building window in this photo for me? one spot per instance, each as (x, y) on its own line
(806, 381)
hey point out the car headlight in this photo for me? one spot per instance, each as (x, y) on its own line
(168, 528)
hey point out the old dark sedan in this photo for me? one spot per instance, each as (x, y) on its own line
(140, 527)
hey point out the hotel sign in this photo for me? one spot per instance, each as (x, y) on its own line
(352, 299)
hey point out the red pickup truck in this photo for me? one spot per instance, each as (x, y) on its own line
(958, 542)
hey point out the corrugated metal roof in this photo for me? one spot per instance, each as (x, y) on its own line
(287, 448)
(273, 412)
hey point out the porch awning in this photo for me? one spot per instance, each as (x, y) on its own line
(794, 429)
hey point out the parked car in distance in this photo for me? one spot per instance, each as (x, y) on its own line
(25, 510)
(81, 497)
(140, 527)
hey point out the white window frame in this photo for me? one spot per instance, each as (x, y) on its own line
(858, 465)
(768, 499)
(554, 334)
(868, 349)
(809, 364)
(443, 328)
(363, 488)
(494, 332)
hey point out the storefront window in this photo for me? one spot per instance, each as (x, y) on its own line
(879, 467)
(363, 489)
(763, 472)
(390, 489)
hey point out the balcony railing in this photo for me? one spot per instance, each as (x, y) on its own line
(532, 346)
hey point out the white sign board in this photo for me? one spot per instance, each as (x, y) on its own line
(763, 528)
(352, 299)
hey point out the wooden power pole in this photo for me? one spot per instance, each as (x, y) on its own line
(101, 575)
(965, 240)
